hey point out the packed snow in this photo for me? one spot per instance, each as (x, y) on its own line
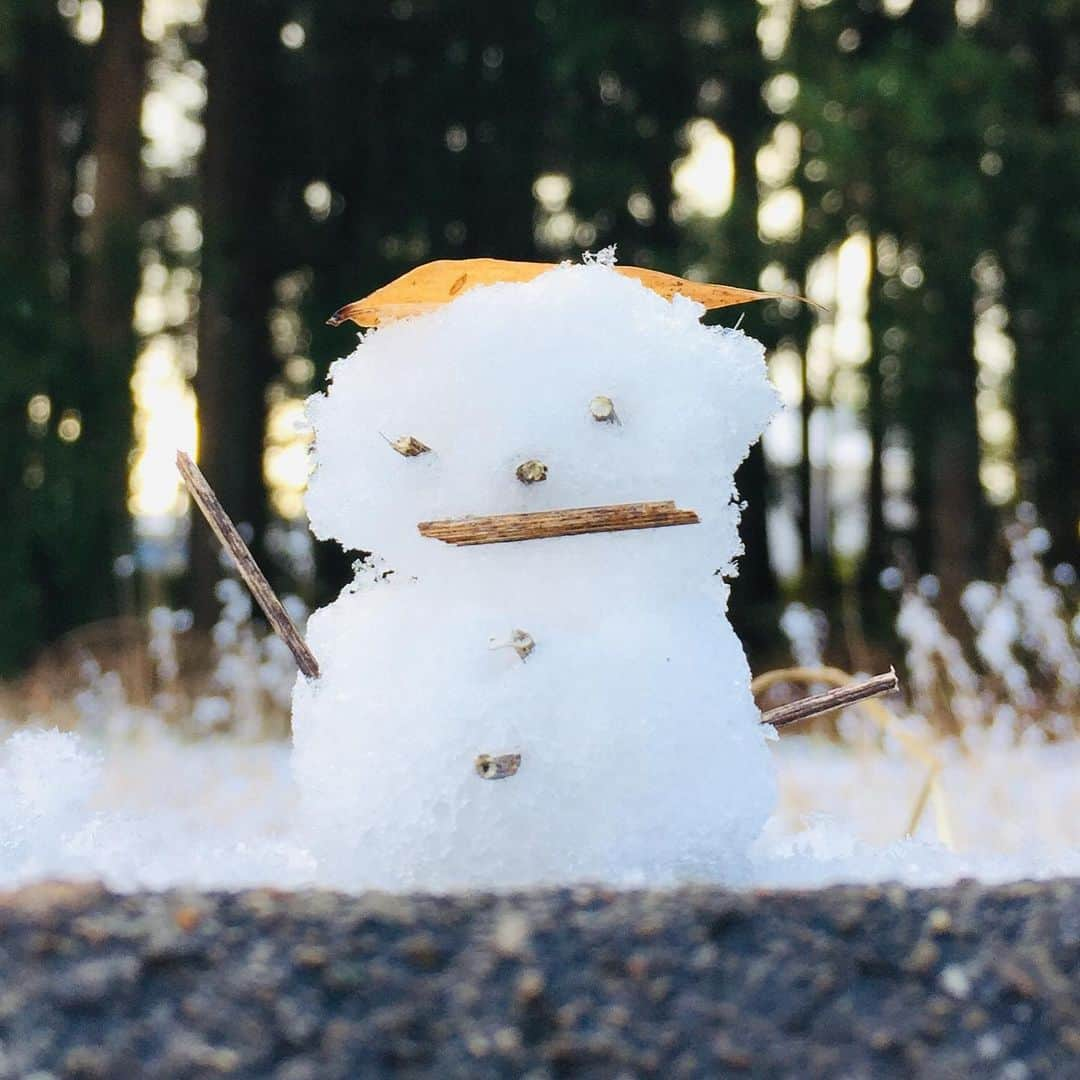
(642, 756)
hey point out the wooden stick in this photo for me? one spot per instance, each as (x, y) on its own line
(507, 528)
(828, 701)
(231, 540)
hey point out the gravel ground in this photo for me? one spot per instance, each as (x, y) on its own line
(965, 981)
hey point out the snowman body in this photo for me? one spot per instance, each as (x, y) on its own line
(642, 758)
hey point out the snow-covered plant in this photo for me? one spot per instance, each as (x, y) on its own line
(244, 690)
(1044, 632)
(806, 630)
(253, 671)
(996, 622)
(103, 705)
(938, 672)
(165, 625)
(1018, 671)
(1025, 667)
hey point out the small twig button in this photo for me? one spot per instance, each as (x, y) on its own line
(496, 766)
(408, 446)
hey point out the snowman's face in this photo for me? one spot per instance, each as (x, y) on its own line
(579, 389)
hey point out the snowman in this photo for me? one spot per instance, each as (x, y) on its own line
(532, 678)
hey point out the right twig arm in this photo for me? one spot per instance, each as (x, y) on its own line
(830, 700)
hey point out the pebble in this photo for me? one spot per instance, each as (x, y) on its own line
(845, 981)
(954, 980)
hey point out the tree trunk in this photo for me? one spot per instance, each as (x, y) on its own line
(235, 361)
(37, 185)
(110, 279)
(876, 614)
(959, 513)
(111, 236)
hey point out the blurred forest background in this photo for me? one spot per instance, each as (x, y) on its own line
(188, 188)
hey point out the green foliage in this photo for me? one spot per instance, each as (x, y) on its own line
(430, 120)
(42, 479)
(63, 499)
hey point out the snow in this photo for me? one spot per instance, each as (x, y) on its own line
(1012, 805)
(642, 757)
(148, 812)
(158, 811)
(643, 762)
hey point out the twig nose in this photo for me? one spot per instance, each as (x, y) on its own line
(531, 471)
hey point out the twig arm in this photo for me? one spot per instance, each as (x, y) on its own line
(205, 499)
(830, 700)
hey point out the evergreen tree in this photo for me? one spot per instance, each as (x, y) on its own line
(64, 320)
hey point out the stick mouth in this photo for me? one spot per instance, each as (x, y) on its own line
(545, 524)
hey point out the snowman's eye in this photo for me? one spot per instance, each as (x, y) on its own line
(531, 471)
(602, 409)
(521, 641)
(409, 446)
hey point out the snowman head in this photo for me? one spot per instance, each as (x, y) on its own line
(578, 389)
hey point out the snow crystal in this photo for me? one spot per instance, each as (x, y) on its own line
(642, 756)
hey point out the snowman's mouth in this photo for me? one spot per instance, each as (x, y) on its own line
(543, 524)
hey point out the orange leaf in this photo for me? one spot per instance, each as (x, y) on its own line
(437, 283)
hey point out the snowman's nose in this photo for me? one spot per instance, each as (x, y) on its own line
(531, 471)
(543, 524)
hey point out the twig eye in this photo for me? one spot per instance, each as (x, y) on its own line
(602, 409)
(409, 446)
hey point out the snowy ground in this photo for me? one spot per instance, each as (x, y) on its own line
(155, 812)
(1013, 810)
